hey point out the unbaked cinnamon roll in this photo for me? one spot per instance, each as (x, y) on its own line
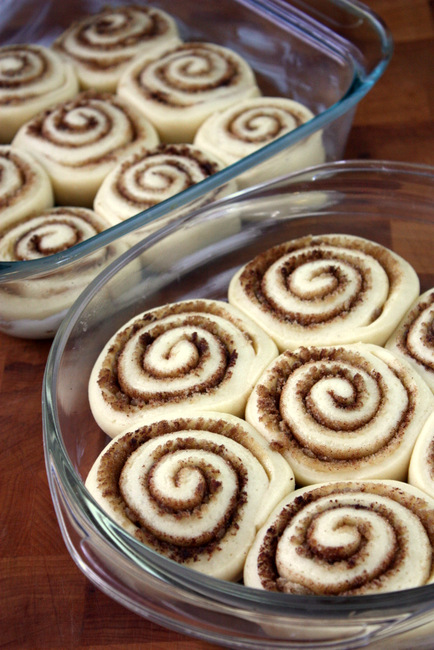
(101, 46)
(326, 290)
(345, 539)
(196, 354)
(34, 308)
(421, 469)
(343, 412)
(153, 175)
(179, 89)
(32, 78)
(413, 339)
(242, 129)
(195, 489)
(80, 141)
(25, 187)
(50, 232)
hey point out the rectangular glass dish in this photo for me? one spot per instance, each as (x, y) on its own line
(326, 54)
(390, 204)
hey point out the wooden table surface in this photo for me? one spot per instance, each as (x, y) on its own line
(45, 601)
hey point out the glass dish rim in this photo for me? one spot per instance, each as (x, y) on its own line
(150, 562)
(27, 269)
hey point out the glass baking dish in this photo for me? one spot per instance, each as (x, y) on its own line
(390, 203)
(325, 53)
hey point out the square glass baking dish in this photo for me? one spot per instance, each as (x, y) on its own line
(325, 53)
(389, 203)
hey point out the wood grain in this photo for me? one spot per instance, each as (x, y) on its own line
(45, 601)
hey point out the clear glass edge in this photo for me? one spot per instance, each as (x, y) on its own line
(150, 561)
(29, 268)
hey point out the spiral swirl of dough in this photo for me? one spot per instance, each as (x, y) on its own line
(151, 176)
(413, 339)
(421, 469)
(32, 78)
(345, 538)
(198, 354)
(245, 127)
(326, 290)
(50, 232)
(80, 141)
(196, 489)
(47, 296)
(178, 90)
(100, 46)
(25, 187)
(344, 412)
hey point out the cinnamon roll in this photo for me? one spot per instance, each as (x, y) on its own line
(195, 489)
(34, 308)
(343, 412)
(326, 290)
(242, 129)
(151, 176)
(345, 539)
(32, 78)
(101, 46)
(195, 354)
(25, 187)
(421, 469)
(413, 339)
(80, 141)
(178, 90)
